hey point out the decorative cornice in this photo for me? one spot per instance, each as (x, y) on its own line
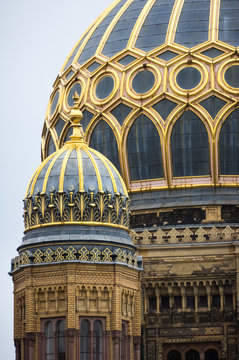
(96, 254)
(186, 235)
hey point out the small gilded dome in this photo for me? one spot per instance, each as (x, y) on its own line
(76, 184)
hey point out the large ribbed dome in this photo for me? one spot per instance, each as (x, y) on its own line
(158, 86)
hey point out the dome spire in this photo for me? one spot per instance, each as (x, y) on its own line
(75, 117)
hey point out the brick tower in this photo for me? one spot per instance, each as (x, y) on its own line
(76, 279)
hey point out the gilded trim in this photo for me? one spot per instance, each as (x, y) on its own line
(38, 172)
(102, 158)
(139, 23)
(57, 155)
(111, 27)
(63, 169)
(80, 169)
(214, 20)
(173, 22)
(95, 167)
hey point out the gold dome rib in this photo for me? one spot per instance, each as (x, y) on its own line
(80, 169)
(102, 158)
(137, 27)
(92, 28)
(96, 169)
(50, 167)
(111, 27)
(37, 174)
(214, 20)
(173, 22)
(117, 172)
(30, 183)
(63, 169)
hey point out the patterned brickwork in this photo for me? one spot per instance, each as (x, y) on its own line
(70, 290)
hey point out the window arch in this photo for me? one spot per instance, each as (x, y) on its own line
(91, 339)
(144, 150)
(211, 354)
(85, 340)
(54, 339)
(61, 340)
(190, 146)
(98, 340)
(49, 341)
(174, 355)
(192, 355)
(103, 140)
(229, 145)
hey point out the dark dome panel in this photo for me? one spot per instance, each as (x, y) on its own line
(228, 23)
(229, 145)
(103, 140)
(119, 36)
(190, 147)
(93, 42)
(193, 23)
(144, 150)
(154, 29)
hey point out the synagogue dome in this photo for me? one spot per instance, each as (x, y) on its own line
(158, 84)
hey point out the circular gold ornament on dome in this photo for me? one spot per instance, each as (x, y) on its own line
(143, 82)
(104, 87)
(188, 78)
(185, 78)
(228, 76)
(232, 76)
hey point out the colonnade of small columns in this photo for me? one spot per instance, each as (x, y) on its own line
(159, 297)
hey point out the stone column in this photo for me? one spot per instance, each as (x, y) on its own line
(116, 336)
(208, 289)
(157, 300)
(221, 298)
(31, 337)
(70, 342)
(195, 291)
(137, 341)
(170, 294)
(17, 343)
(183, 298)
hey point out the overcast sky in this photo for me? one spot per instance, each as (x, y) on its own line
(35, 38)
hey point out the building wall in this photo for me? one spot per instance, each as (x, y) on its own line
(189, 291)
(73, 291)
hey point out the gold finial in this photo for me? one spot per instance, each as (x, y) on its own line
(75, 119)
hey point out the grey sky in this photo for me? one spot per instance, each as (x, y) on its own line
(35, 37)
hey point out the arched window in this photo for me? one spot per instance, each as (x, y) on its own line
(229, 145)
(174, 355)
(49, 341)
(85, 340)
(144, 150)
(192, 355)
(98, 341)
(211, 355)
(190, 147)
(91, 339)
(61, 341)
(103, 140)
